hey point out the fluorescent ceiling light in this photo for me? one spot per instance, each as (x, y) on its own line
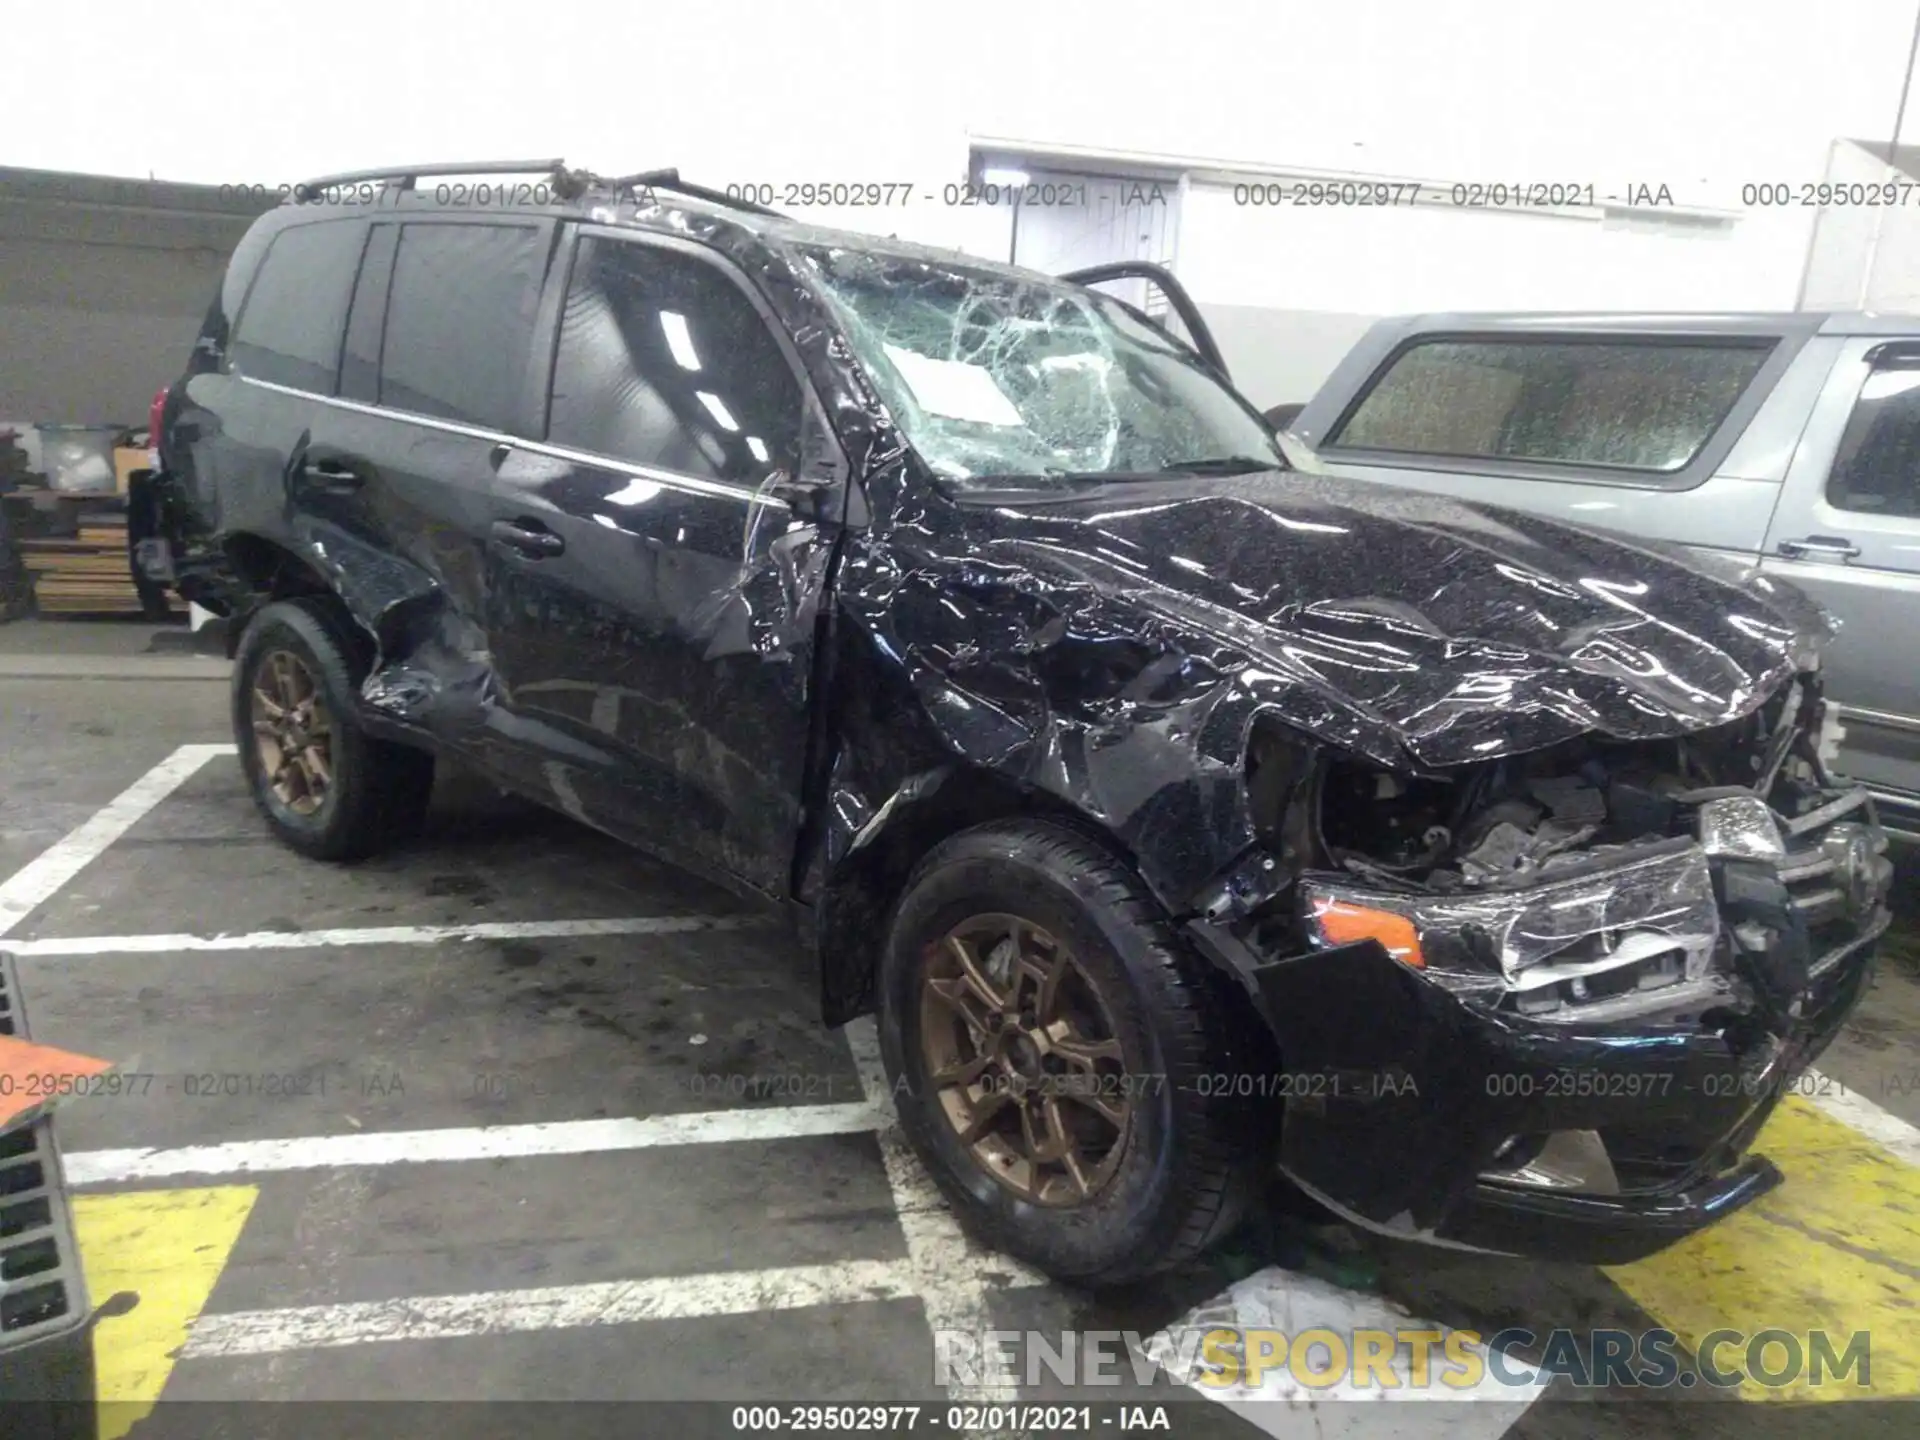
(996, 176)
(679, 340)
(634, 492)
(758, 447)
(721, 415)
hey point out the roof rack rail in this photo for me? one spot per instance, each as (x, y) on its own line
(405, 175)
(670, 180)
(568, 184)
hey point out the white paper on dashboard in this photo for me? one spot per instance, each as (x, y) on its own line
(954, 389)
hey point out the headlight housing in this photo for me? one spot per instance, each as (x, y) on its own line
(1655, 912)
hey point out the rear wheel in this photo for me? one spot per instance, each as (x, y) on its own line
(328, 789)
(1053, 1051)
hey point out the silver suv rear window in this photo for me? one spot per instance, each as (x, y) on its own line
(1649, 405)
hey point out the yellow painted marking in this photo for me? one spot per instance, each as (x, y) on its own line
(1835, 1248)
(168, 1247)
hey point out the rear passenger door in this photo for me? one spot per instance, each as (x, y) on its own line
(440, 371)
(653, 600)
(1847, 531)
(257, 393)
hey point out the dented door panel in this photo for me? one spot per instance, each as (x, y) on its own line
(411, 566)
(670, 644)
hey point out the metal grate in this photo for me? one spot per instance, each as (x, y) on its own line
(1838, 922)
(42, 1291)
(12, 1020)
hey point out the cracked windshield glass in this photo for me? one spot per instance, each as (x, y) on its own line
(995, 377)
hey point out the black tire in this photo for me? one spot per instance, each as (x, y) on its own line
(1189, 1159)
(143, 523)
(378, 791)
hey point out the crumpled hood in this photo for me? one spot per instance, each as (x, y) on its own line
(1461, 630)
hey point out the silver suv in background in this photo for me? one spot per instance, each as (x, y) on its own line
(1788, 441)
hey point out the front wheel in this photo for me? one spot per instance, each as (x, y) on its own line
(326, 788)
(1053, 1049)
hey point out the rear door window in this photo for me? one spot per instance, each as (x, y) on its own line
(1877, 468)
(296, 311)
(1645, 405)
(461, 309)
(664, 361)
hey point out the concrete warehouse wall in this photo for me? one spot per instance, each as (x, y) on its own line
(1866, 257)
(1280, 357)
(103, 284)
(1434, 257)
(89, 332)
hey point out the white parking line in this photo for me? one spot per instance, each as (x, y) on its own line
(1853, 1109)
(486, 1142)
(79, 945)
(558, 1307)
(952, 1275)
(34, 883)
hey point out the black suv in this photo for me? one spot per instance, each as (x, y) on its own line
(1187, 820)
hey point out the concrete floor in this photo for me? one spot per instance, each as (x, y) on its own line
(317, 1291)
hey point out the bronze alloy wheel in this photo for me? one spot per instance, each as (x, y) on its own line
(292, 732)
(1022, 1051)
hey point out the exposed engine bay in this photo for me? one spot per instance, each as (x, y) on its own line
(1595, 878)
(1519, 818)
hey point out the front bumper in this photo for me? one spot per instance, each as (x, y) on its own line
(1421, 1111)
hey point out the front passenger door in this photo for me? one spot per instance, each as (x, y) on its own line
(1847, 531)
(653, 601)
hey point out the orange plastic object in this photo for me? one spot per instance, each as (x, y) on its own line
(1344, 923)
(35, 1078)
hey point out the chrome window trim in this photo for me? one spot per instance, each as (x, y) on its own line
(698, 484)
(1877, 717)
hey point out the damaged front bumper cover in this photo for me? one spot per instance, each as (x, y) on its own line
(1572, 1068)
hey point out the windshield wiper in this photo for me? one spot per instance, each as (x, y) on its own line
(1217, 465)
(1225, 465)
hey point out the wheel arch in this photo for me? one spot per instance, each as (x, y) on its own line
(862, 887)
(272, 569)
(258, 571)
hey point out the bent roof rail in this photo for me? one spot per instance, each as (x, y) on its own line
(567, 184)
(405, 175)
(670, 180)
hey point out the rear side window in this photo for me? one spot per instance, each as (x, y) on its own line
(1631, 405)
(664, 361)
(290, 327)
(1877, 470)
(460, 317)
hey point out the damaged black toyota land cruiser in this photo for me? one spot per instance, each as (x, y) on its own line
(1181, 816)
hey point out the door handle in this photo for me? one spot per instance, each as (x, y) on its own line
(1831, 546)
(336, 476)
(527, 537)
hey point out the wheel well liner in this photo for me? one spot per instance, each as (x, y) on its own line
(267, 571)
(857, 902)
(271, 568)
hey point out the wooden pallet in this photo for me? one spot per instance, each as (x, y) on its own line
(87, 575)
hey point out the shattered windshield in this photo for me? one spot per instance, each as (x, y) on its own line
(995, 377)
